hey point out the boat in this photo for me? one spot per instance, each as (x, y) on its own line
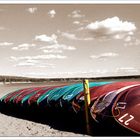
(98, 91)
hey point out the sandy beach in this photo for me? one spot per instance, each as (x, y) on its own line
(20, 126)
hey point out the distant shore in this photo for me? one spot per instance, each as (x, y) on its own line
(20, 79)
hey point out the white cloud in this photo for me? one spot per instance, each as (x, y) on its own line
(137, 42)
(50, 56)
(112, 27)
(120, 36)
(59, 46)
(130, 33)
(52, 13)
(24, 46)
(38, 57)
(25, 64)
(49, 39)
(44, 65)
(127, 70)
(32, 10)
(13, 58)
(6, 43)
(131, 41)
(87, 39)
(69, 36)
(76, 14)
(104, 55)
(76, 22)
(47, 64)
(54, 47)
(128, 39)
(101, 71)
(33, 63)
(74, 37)
(52, 51)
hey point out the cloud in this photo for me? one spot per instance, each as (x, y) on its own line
(33, 63)
(56, 48)
(126, 70)
(6, 43)
(87, 39)
(26, 59)
(32, 10)
(52, 51)
(25, 64)
(69, 36)
(80, 23)
(76, 14)
(111, 27)
(49, 39)
(13, 58)
(38, 57)
(40, 65)
(24, 46)
(131, 41)
(74, 37)
(52, 13)
(59, 46)
(104, 55)
(137, 42)
(128, 39)
(76, 22)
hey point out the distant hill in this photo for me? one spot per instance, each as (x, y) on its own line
(20, 79)
(28, 79)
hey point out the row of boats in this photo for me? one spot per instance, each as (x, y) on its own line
(117, 101)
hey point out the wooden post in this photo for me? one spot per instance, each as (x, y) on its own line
(4, 81)
(87, 102)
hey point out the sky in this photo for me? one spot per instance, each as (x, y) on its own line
(69, 40)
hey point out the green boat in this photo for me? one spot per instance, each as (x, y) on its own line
(67, 98)
(45, 95)
(54, 98)
(14, 97)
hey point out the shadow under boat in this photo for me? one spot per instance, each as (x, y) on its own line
(65, 121)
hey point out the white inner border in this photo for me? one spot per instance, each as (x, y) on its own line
(70, 138)
(70, 2)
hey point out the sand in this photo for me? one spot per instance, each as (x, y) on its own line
(15, 126)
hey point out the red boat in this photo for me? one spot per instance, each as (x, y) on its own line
(99, 91)
(126, 109)
(14, 94)
(25, 93)
(34, 98)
